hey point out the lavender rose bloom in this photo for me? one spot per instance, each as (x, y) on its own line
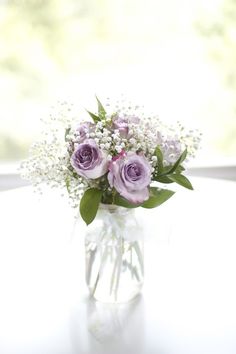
(122, 123)
(83, 129)
(171, 148)
(130, 176)
(88, 160)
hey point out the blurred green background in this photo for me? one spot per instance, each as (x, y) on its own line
(176, 57)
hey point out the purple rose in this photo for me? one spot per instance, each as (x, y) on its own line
(171, 148)
(122, 123)
(83, 129)
(88, 160)
(130, 175)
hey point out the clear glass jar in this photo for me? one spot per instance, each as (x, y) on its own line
(114, 255)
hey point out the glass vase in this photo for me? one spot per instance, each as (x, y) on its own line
(114, 255)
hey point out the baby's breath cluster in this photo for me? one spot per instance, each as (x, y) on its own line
(49, 157)
(117, 151)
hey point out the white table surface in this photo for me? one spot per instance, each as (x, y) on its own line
(188, 303)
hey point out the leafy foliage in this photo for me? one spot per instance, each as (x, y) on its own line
(181, 180)
(89, 204)
(101, 112)
(172, 174)
(159, 155)
(101, 109)
(157, 197)
(94, 117)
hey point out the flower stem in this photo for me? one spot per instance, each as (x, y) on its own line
(120, 256)
(102, 264)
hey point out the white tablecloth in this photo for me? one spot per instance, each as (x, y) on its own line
(188, 303)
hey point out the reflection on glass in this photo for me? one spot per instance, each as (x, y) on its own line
(108, 323)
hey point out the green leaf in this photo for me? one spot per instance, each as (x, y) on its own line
(94, 117)
(179, 169)
(181, 179)
(162, 179)
(157, 197)
(101, 109)
(89, 204)
(171, 169)
(68, 184)
(159, 156)
(178, 162)
(120, 201)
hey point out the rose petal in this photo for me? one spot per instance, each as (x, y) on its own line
(96, 172)
(136, 197)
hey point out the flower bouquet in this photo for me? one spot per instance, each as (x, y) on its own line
(110, 164)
